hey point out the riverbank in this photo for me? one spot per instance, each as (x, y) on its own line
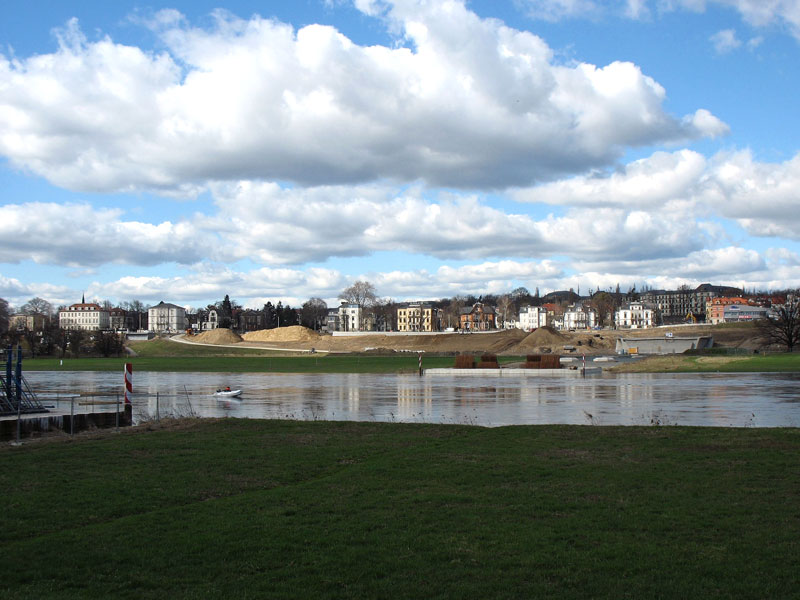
(698, 363)
(246, 508)
(222, 362)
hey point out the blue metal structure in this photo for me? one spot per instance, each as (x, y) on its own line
(16, 396)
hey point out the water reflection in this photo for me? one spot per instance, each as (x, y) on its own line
(765, 400)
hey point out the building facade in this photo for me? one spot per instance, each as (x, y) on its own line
(532, 317)
(34, 322)
(166, 318)
(736, 313)
(676, 306)
(84, 315)
(419, 316)
(477, 318)
(353, 317)
(579, 316)
(635, 315)
(118, 319)
(715, 309)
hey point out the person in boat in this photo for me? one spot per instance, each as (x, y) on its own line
(228, 388)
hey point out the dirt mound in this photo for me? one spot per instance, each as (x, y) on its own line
(217, 336)
(544, 336)
(295, 333)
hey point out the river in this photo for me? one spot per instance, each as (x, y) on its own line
(715, 399)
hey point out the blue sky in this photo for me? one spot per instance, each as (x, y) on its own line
(282, 150)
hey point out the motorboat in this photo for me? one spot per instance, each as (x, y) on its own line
(228, 393)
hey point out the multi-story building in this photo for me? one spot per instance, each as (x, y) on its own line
(332, 320)
(34, 322)
(419, 316)
(532, 317)
(478, 318)
(715, 308)
(84, 315)
(353, 317)
(673, 306)
(734, 313)
(118, 319)
(166, 318)
(578, 316)
(635, 315)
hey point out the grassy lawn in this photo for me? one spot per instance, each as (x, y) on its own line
(163, 355)
(323, 363)
(282, 509)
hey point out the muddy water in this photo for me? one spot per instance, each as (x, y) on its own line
(738, 400)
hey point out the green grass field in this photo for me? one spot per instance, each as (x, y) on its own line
(282, 509)
(163, 355)
(320, 363)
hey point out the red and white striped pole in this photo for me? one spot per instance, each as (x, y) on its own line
(420, 364)
(128, 381)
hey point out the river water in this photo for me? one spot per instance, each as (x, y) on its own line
(716, 399)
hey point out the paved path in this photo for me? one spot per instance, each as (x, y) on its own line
(182, 340)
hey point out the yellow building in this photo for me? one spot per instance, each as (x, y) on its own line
(419, 316)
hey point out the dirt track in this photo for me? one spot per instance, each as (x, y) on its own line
(510, 342)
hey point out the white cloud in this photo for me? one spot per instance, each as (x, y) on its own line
(647, 183)
(761, 197)
(474, 104)
(79, 235)
(758, 13)
(16, 293)
(554, 10)
(725, 41)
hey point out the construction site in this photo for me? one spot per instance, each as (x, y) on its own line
(512, 342)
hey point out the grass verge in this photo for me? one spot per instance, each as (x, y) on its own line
(220, 361)
(282, 509)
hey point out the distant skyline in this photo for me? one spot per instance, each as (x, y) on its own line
(277, 151)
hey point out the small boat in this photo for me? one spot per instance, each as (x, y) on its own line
(228, 393)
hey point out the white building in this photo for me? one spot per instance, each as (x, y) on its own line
(578, 316)
(352, 317)
(635, 315)
(166, 318)
(84, 315)
(734, 313)
(532, 317)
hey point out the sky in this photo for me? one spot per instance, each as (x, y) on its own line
(282, 150)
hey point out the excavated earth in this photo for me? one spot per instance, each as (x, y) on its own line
(509, 342)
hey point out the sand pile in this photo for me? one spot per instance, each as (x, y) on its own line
(544, 336)
(217, 336)
(295, 333)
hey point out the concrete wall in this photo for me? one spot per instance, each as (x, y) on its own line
(663, 345)
(33, 425)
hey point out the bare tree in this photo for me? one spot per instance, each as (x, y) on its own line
(385, 314)
(782, 329)
(361, 293)
(313, 313)
(603, 303)
(37, 306)
(136, 310)
(504, 305)
(452, 312)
